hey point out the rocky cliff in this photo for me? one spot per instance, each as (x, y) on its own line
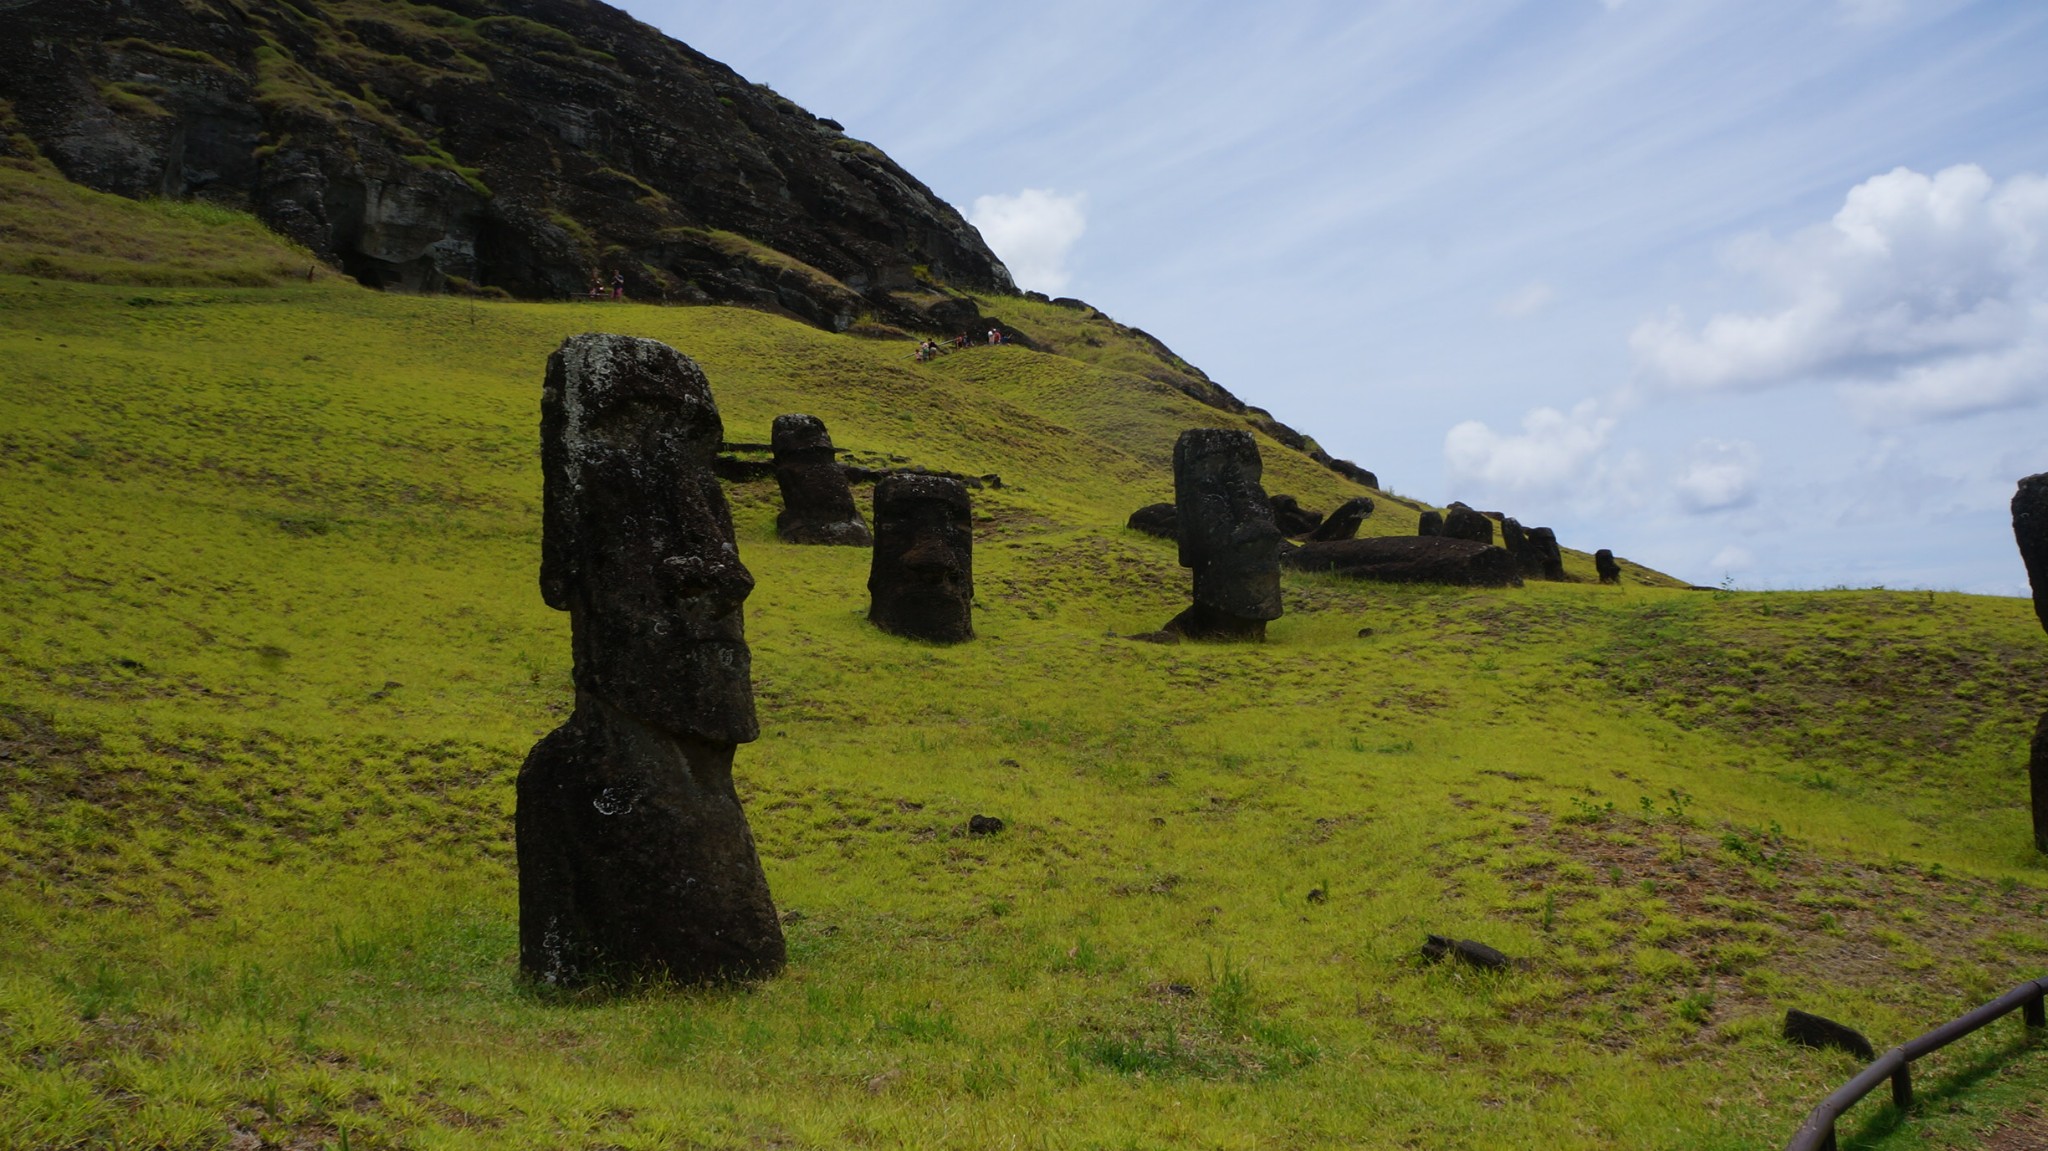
(514, 145)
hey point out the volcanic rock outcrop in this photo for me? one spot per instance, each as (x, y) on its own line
(1344, 523)
(817, 502)
(1227, 536)
(1410, 559)
(1155, 520)
(921, 584)
(635, 859)
(1603, 563)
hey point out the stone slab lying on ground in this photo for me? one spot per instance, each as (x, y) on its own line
(1410, 559)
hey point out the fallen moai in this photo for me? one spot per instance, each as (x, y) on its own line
(635, 859)
(1410, 559)
(1155, 520)
(817, 501)
(921, 584)
(1291, 518)
(1343, 523)
(1227, 536)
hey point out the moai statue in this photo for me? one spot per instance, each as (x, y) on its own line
(1462, 523)
(1343, 523)
(1543, 542)
(2030, 530)
(1513, 537)
(635, 860)
(1227, 536)
(817, 502)
(921, 583)
(1430, 524)
(1291, 518)
(1603, 562)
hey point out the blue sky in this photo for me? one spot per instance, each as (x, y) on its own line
(1748, 288)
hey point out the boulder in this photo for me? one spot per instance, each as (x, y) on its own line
(1344, 523)
(1437, 948)
(1155, 520)
(1462, 523)
(635, 859)
(1410, 559)
(1291, 518)
(1227, 536)
(817, 501)
(921, 584)
(1430, 524)
(983, 825)
(2030, 530)
(1603, 562)
(1810, 1030)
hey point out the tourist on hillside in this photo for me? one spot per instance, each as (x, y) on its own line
(618, 285)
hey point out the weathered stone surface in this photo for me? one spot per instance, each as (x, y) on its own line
(1291, 518)
(1227, 536)
(1437, 948)
(1430, 524)
(1462, 523)
(921, 584)
(2037, 781)
(1516, 541)
(817, 502)
(2030, 530)
(1543, 543)
(1603, 563)
(1344, 523)
(983, 825)
(1810, 1030)
(1156, 520)
(1410, 559)
(635, 859)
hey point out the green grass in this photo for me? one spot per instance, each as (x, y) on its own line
(272, 651)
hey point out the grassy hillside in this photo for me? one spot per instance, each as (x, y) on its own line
(272, 650)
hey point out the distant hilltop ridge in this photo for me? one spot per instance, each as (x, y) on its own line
(510, 147)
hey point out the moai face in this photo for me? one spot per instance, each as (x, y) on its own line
(922, 580)
(1227, 533)
(817, 503)
(637, 539)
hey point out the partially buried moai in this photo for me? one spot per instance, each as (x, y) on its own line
(2030, 531)
(1227, 536)
(817, 502)
(635, 859)
(921, 582)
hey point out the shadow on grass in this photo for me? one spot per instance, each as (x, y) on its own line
(1885, 1121)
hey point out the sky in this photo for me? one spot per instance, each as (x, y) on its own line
(1745, 290)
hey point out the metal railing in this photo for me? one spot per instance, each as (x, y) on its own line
(1818, 1132)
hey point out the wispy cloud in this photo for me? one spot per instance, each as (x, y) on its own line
(1720, 475)
(1032, 232)
(1526, 300)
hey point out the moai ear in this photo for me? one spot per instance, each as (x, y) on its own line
(558, 511)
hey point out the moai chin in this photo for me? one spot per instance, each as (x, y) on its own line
(635, 859)
(1227, 536)
(817, 502)
(921, 581)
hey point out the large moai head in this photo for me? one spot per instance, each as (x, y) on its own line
(1343, 524)
(1227, 534)
(1543, 544)
(2030, 530)
(637, 543)
(1603, 563)
(1462, 523)
(817, 502)
(1429, 524)
(921, 583)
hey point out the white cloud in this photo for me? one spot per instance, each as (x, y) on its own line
(1526, 300)
(1924, 297)
(1720, 475)
(1555, 450)
(1732, 559)
(1032, 232)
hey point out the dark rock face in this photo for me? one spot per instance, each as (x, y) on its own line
(1156, 520)
(1227, 536)
(1291, 518)
(2030, 529)
(1462, 523)
(1810, 1030)
(921, 584)
(1410, 559)
(1603, 563)
(516, 144)
(817, 502)
(1430, 524)
(1344, 523)
(635, 859)
(1437, 948)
